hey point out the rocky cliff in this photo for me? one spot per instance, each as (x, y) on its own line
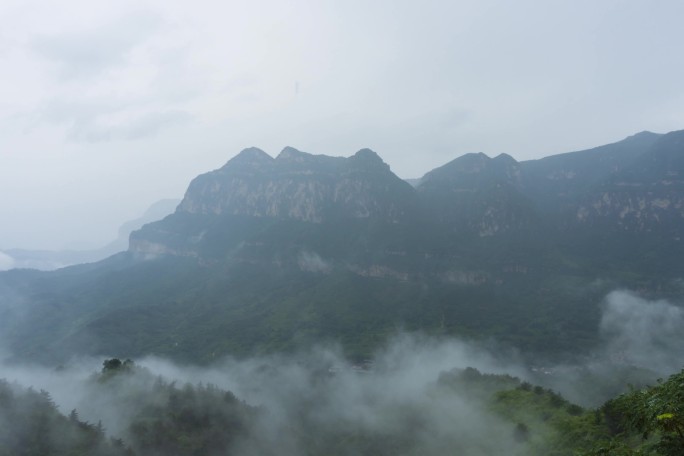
(645, 196)
(634, 186)
(300, 186)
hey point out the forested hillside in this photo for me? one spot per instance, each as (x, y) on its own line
(462, 411)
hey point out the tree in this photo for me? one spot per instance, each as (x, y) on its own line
(657, 413)
(110, 365)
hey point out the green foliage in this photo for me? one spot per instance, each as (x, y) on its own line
(551, 424)
(166, 420)
(613, 447)
(31, 425)
(655, 413)
(193, 420)
(114, 367)
(541, 419)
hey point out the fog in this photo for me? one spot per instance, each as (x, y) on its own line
(641, 341)
(317, 389)
(312, 262)
(394, 395)
(642, 333)
(48, 260)
(6, 262)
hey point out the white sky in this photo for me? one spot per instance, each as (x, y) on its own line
(109, 106)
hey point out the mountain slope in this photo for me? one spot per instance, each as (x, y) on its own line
(268, 254)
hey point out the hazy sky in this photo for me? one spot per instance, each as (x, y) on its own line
(107, 106)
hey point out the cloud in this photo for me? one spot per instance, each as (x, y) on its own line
(312, 262)
(110, 120)
(6, 262)
(148, 124)
(648, 334)
(312, 393)
(126, 79)
(86, 53)
(396, 394)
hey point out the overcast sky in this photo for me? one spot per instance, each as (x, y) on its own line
(109, 106)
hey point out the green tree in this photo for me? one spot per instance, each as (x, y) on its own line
(655, 413)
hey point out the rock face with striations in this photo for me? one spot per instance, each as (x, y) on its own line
(253, 191)
(645, 195)
(301, 186)
(631, 187)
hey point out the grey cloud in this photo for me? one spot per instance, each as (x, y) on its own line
(86, 53)
(641, 342)
(648, 334)
(147, 125)
(319, 389)
(122, 112)
(312, 262)
(6, 261)
(313, 390)
(86, 120)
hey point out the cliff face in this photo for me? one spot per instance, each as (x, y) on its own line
(363, 215)
(645, 196)
(255, 205)
(559, 182)
(300, 186)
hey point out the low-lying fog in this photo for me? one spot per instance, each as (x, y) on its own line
(320, 388)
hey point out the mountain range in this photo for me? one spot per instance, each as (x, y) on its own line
(271, 254)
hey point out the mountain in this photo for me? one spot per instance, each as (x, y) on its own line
(479, 195)
(617, 206)
(272, 254)
(558, 181)
(299, 186)
(645, 195)
(255, 190)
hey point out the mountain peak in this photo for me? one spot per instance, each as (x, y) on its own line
(367, 154)
(252, 157)
(473, 169)
(505, 158)
(470, 163)
(368, 158)
(290, 153)
(644, 134)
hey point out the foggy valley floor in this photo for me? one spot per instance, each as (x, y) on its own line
(418, 395)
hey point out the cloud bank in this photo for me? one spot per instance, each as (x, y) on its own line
(648, 334)
(6, 262)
